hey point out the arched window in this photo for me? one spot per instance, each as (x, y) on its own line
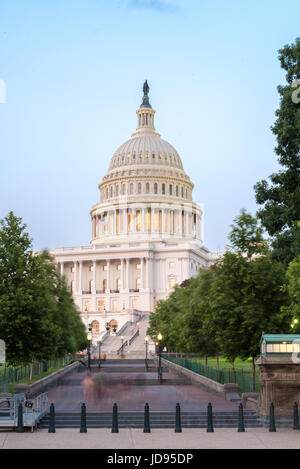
(147, 188)
(155, 188)
(139, 188)
(176, 191)
(163, 189)
(170, 189)
(111, 191)
(117, 190)
(131, 188)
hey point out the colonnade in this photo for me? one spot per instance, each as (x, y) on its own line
(123, 221)
(86, 276)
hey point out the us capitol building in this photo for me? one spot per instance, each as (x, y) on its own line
(146, 232)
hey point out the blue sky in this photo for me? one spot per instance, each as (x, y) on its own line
(74, 71)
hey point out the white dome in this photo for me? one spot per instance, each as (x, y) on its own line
(146, 148)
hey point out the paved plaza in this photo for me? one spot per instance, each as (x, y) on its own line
(257, 438)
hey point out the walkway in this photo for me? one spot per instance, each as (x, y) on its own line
(130, 386)
(255, 438)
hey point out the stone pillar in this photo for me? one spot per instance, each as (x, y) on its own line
(152, 220)
(149, 272)
(122, 274)
(127, 273)
(280, 384)
(61, 268)
(75, 277)
(142, 272)
(94, 276)
(80, 277)
(108, 277)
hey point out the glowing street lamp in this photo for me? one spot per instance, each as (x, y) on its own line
(89, 338)
(159, 338)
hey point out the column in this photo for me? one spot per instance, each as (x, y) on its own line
(152, 220)
(127, 273)
(125, 219)
(108, 277)
(142, 272)
(94, 276)
(143, 215)
(122, 274)
(61, 268)
(75, 277)
(180, 222)
(148, 273)
(80, 277)
(168, 221)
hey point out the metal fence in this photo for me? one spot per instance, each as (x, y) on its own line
(222, 375)
(17, 374)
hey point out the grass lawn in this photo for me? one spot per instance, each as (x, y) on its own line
(239, 365)
(35, 378)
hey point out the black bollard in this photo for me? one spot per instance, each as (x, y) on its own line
(146, 419)
(178, 428)
(52, 420)
(115, 426)
(210, 427)
(272, 427)
(20, 428)
(296, 417)
(83, 428)
(241, 426)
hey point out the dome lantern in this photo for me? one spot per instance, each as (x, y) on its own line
(145, 113)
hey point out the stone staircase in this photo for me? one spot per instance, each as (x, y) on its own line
(158, 419)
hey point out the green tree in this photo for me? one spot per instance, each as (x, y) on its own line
(25, 304)
(246, 235)
(197, 331)
(293, 290)
(38, 319)
(280, 213)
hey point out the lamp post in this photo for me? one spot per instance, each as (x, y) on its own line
(159, 338)
(146, 343)
(89, 338)
(99, 363)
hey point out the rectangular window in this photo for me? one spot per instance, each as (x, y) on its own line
(100, 305)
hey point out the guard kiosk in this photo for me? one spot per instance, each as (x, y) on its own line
(279, 365)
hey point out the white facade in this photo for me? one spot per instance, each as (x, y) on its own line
(146, 232)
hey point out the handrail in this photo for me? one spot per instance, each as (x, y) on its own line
(122, 347)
